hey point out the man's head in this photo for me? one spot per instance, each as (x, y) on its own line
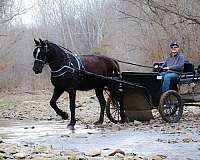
(174, 48)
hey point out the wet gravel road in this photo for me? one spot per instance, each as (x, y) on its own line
(27, 121)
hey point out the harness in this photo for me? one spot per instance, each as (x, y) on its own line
(38, 51)
(75, 64)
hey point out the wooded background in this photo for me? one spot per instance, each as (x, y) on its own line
(138, 31)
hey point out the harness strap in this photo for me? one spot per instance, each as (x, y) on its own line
(36, 59)
(62, 71)
(79, 68)
(80, 63)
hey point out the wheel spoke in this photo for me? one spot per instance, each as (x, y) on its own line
(113, 112)
(118, 115)
(171, 108)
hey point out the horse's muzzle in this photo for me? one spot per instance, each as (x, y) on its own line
(37, 70)
(37, 67)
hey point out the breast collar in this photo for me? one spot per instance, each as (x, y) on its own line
(75, 66)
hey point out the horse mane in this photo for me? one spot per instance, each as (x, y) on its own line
(55, 46)
(58, 48)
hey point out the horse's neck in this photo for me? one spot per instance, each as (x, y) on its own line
(58, 62)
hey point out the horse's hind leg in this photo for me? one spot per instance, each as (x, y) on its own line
(56, 94)
(102, 101)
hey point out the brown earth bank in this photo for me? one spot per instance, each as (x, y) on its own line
(34, 105)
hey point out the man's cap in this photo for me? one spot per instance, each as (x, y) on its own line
(174, 44)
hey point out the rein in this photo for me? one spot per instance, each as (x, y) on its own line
(133, 64)
(68, 68)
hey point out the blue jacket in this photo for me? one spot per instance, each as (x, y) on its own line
(175, 63)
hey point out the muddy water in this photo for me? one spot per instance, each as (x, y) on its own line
(142, 142)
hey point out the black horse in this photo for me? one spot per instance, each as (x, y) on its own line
(69, 73)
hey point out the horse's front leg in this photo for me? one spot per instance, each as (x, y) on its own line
(102, 101)
(72, 98)
(56, 94)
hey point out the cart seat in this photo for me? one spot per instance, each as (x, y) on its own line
(188, 71)
(188, 68)
(187, 76)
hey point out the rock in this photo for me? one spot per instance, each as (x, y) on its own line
(41, 149)
(178, 129)
(172, 141)
(63, 136)
(157, 157)
(131, 154)
(133, 158)
(117, 151)
(50, 118)
(9, 148)
(20, 155)
(162, 156)
(93, 97)
(2, 156)
(72, 152)
(39, 157)
(93, 153)
(119, 155)
(78, 106)
(81, 157)
(187, 139)
(105, 149)
(1, 140)
(137, 123)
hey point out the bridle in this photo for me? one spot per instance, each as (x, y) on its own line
(45, 57)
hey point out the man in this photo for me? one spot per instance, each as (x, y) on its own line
(173, 66)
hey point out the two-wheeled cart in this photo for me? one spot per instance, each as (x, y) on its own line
(138, 93)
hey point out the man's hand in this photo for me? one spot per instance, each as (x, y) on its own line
(156, 66)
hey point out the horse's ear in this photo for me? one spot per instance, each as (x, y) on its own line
(37, 43)
(42, 42)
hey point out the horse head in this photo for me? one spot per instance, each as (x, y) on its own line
(46, 52)
(40, 54)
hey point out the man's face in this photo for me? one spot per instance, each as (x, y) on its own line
(174, 50)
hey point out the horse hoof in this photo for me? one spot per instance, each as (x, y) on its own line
(64, 115)
(70, 127)
(98, 123)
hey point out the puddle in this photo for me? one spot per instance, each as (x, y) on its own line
(142, 142)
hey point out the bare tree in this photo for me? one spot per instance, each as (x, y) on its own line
(167, 21)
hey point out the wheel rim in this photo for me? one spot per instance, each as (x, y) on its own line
(171, 107)
(115, 110)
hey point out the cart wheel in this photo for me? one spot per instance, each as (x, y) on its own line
(171, 106)
(113, 110)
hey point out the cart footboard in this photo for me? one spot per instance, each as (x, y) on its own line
(136, 104)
